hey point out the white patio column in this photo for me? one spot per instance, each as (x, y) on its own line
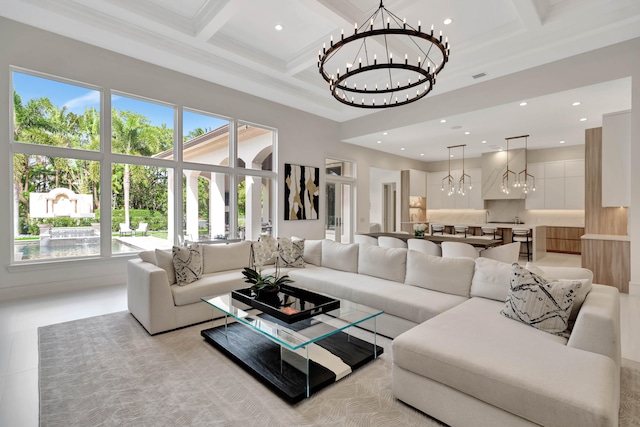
(192, 204)
(253, 207)
(170, 204)
(216, 205)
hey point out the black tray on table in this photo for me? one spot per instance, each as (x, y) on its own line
(290, 304)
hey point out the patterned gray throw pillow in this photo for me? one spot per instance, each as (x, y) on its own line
(187, 261)
(291, 252)
(540, 303)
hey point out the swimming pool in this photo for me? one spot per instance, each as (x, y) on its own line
(33, 250)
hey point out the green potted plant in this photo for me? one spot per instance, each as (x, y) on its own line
(264, 284)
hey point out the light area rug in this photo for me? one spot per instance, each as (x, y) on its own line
(107, 371)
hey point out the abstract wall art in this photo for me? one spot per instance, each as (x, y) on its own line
(301, 192)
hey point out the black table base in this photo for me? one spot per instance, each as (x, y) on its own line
(260, 356)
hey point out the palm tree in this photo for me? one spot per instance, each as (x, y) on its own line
(133, 134)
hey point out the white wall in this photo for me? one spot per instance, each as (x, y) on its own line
(302, 138)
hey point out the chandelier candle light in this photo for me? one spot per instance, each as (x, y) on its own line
(361, 70)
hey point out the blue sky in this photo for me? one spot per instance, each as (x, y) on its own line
(77, 98)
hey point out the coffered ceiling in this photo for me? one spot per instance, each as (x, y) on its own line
(234, 43)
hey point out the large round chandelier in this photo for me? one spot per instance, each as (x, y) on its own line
(361, 69)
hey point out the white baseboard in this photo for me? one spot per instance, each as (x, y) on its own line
(51, 288)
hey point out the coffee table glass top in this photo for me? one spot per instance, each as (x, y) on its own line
(298, 334)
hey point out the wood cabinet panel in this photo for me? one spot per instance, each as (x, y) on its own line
(610, 262)
(564, 239)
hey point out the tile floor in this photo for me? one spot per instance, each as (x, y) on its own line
(19, 321)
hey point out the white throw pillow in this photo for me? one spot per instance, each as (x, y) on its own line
(385, 263)
(443, 274)
(223, 257)
(164, 260)
(585, 276)
(290, 252)
(540, 303)
(491, 279)
(265, 251)
(187, 262)
(313, 252)
(148, 256)
(340, 256)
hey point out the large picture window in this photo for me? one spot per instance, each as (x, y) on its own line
(59, 208)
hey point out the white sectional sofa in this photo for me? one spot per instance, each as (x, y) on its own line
(455, 356)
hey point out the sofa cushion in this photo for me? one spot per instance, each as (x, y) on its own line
(313, 252)
(264, 251)
(491, 279)
(340, 256)
(148, 256)
(473, 349)
(209, 285)
(222, 257)
(540, 303)
(164, 260)
(442, 274)
(584, 275)
(290, 252)
(385, 263)
(407, 302)
(187, 262)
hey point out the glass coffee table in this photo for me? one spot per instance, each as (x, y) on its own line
(293, 359)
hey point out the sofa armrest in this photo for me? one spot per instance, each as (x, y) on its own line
(597, 327)
(149, 296)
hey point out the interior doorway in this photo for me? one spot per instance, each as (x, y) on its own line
(339, 216)
(389, 207)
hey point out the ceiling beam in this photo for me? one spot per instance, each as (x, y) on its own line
(213, 16)
(532, 12)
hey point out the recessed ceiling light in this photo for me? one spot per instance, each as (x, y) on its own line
(467, 133)
(448, 21)
(402, 149)
(443, 121)
(379, 142)
(484, 142)
(279, 27)
(575, 104)
(450, 155)
(385, 133)
(422, 154)
(522, 104)
(561, 142)
(584, 119)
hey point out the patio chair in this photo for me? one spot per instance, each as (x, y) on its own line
(125, 230)
(142, 228)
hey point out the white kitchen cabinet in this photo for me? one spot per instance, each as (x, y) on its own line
(554, 193)
(574, 192)
(417, 183)
(559, 185)
(554, 170)
(434, 197)
(573, 168)
(535, 199)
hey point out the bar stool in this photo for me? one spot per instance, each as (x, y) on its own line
(437, 228)
(460, 229)
(523, 235)
(490, 231)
